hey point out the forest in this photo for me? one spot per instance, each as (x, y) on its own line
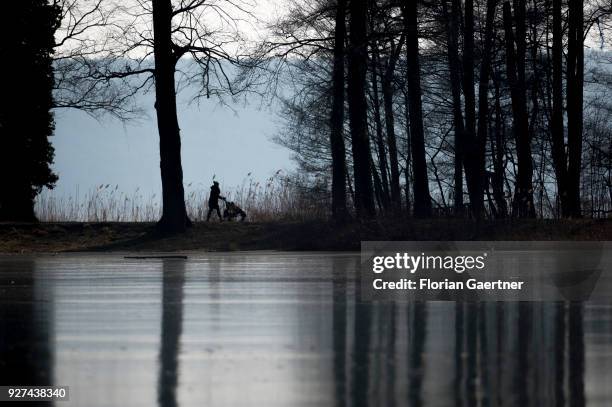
(479, 109)
(455, 108)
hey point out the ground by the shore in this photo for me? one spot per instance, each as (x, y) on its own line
(309, 235)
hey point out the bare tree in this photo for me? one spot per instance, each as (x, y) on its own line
(422, 200)
(575, 82)
(557, 134)
(515, 61)
(451, 20)
(82, 53)
(174, 215)
(113, 50)
(483, 110)
(339, 209)
(357, 69)
(388, 92)
(470, 148)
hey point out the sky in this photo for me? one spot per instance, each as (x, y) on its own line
(216, 141)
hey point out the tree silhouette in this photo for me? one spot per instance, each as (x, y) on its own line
(515, 61)
(174, 216)
(357, 69)
(143, 44)
(26, 121)
(422, 200)
(338, 150)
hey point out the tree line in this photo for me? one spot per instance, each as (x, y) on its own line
(482, 108)
(472, 108)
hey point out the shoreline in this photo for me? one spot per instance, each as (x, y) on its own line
(312, 235)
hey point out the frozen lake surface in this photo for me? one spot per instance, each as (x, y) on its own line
(283, 329)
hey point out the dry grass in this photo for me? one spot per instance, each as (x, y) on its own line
(278, 198)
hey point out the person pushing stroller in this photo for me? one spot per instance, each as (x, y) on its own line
(231, 210)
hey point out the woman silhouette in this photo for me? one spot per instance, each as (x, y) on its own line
(213, 201)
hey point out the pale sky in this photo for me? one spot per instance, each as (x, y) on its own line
(215, 141)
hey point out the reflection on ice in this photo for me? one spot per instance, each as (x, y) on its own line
(281, 329)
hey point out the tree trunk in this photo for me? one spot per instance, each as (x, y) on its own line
(515, 62)
(380, 141)
(454, 65)
(174, 217)
(537, 100)
(498, 157)
(483, 108)
(422, 200)
(471, 148)
(358, 60)
(339, 209)
(379, 192)
(575, 80)
(557, 136)
(387, 88)
(407, 173)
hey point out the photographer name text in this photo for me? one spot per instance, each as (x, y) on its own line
(411, 264)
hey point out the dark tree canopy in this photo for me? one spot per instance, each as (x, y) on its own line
(488, 108)
(26, 120)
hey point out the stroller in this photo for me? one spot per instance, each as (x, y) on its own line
(232, 211)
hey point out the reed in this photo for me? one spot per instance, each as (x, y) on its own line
(279, 197)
